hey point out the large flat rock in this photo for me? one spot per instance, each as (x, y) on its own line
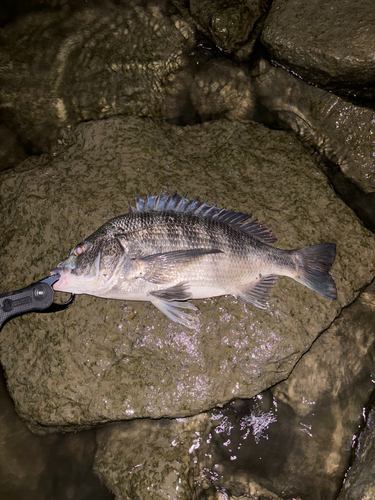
(105, 360)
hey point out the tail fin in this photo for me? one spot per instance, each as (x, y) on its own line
(313, 264)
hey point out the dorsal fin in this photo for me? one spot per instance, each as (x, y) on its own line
(176, 203)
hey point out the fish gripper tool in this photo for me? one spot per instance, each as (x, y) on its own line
(37, 297)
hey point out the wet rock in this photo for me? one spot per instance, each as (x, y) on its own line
(331, 44)
(11, 150)
(170, 458)
(229, 23)
(333, 130)
(60, 68)
(222, 89)
(44, 467)
(295, 441)
(362, 204)
(359, 482)
(149, 460)
(20, 470)
(336, 129)
(106, 360)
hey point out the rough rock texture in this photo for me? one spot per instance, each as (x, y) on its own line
(223, 89)
(328, 43)
(227, 23)
(105, 360)
(362, 204)
(60, 68)
(330, 127)
(149, 460)
(296, 439)
(360, 480)
(337, 129)
(232, 25)
(44, 467)
(11, 150)
(164, 459)
(293, 441)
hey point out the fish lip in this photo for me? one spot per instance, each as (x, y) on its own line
(63, 272)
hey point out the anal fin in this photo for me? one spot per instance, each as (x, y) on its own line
(259, 292)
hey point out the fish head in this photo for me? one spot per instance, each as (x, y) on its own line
(92, 266)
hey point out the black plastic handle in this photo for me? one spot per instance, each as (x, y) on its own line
(35, 297)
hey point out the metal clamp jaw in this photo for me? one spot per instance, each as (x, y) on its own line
(37, 297)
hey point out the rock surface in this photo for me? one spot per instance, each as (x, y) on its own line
(330, 127)
(229, 23)
(11, 151)
(293, 441)
(149, 460)
(89, 64)
(331, 44)
(360, 482)
(105, 360)
(296, 440)
(44, 467)
(338, 130)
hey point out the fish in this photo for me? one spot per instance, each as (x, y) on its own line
(168, 249)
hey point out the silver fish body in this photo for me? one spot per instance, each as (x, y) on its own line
(169, 249)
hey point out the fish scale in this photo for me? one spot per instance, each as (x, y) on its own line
(169, 249)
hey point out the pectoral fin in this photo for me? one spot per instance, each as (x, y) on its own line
(163, 267)
(259, 292)
(173, 293)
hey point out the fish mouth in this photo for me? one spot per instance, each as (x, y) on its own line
(61, 285)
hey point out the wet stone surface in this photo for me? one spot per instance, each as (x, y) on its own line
(101, 361)
(331, 128)
(331, 44)
(146, 459)
(359, 482)
(295, 440)
(232, 25)
(105, 360)
(336, 129)
(89, 64)
(43, 467)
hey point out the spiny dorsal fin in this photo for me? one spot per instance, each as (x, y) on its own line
(176, 203)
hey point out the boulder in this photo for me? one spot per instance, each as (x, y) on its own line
(149, 459)
(106, 360)
(359, 482)
(295, 440)
(11, 151)
(45, 467)
(334, 130)
(331, 127)
(330, 44)
(62, 67)
(233, 25)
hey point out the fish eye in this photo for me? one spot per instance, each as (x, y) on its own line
(79, 249)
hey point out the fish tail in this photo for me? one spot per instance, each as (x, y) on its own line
(313, 264)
